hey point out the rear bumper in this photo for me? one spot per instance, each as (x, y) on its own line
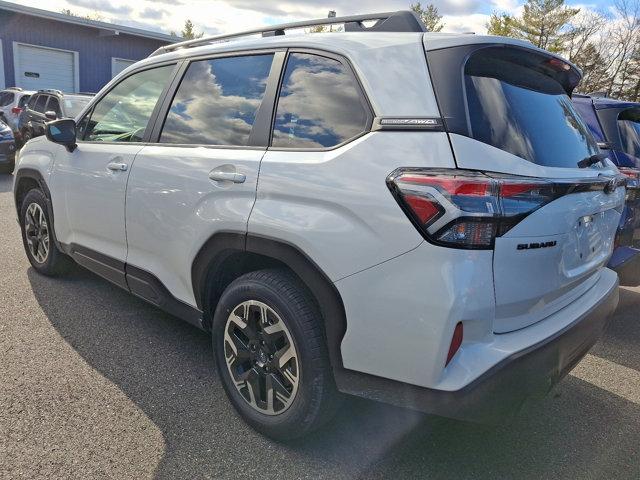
(503, 389)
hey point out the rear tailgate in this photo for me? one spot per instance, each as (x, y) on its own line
(516, 118)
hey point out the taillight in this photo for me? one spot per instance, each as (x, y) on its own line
(633, 173)
(16, 110)
(466, 209)
(633, 182)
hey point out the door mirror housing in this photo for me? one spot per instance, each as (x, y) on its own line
(62, 132)
(50, 115)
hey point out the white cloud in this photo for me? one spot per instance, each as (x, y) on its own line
(475, 23)
(224, 16)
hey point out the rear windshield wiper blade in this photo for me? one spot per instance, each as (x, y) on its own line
(592, 160)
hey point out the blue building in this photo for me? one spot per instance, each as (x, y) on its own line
(41, 49)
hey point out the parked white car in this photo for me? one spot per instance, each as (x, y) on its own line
(12, 101)
(413, 217)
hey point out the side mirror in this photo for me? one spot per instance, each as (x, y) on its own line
(62, 132)
(50, 115)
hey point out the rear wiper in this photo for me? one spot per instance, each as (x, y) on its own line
(592, 160)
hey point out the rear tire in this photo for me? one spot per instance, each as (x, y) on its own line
(38, 237)
(268, 336)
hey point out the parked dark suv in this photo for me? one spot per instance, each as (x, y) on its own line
(47, 105)
(616, 126)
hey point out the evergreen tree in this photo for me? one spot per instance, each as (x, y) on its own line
(429, 16)
(500, 24)
(544, 23)
(188, 32)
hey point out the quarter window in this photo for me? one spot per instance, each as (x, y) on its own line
(123, 114)
(41, 102)
(319, 104)
(217, 101)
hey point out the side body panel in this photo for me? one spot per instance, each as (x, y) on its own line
(173, 207)
(88, 197)
(335, 205)
(401, 314)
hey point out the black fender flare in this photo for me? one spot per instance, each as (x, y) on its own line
(218, 248)
(33, 174)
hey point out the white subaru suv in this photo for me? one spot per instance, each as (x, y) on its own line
(417, 218)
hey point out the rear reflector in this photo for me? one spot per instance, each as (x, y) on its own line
(456, 341)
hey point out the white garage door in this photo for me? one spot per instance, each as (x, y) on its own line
(37, 68)
(119, 64)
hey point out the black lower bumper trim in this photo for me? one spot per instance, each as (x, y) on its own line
(502, 390)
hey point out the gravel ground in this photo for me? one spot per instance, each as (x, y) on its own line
(94, 383)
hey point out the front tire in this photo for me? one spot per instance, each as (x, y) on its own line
(268, 341)
(37, 236)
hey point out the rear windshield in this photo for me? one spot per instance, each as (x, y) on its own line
(629, 126)
(524, 111)
(74, 105)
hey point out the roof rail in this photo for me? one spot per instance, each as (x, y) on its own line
(16, 89)
(50, 90)
(400, 21)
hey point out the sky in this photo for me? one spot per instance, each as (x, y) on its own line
(227, 16)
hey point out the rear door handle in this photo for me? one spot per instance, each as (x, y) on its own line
(117, 166)
(222, 176)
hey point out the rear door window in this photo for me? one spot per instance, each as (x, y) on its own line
(31, 104)
(629, 126)
(54, 106)
(521, 109)
(217, 101)
(320, 104)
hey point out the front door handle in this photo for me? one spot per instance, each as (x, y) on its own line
(223, 176)
(118, 166)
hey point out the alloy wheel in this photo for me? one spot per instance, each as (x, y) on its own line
(261, 357)
(37, 232)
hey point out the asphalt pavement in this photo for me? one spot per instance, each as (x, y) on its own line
(94, 383)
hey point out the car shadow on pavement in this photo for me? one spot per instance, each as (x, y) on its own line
(622, 344)
(6, 183)
(165, 367)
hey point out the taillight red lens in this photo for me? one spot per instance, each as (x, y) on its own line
(426, 209)
(466, 209)
(16, 110)
(456, 342)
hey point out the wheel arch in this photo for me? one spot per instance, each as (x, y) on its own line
(27, 179)
(227, 255)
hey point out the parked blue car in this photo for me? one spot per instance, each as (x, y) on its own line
(616, 126)
(7, 149)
